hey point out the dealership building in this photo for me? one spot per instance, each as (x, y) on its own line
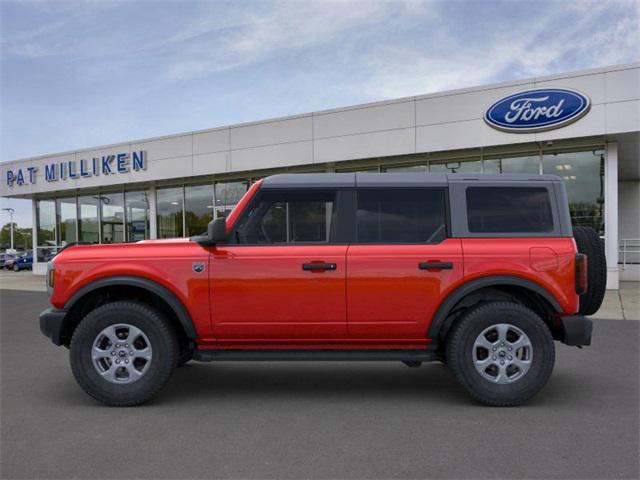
(582, 126)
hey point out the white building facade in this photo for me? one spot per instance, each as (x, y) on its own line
(173, 186)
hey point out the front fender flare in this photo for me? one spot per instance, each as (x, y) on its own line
(439, 321)
(163, 292)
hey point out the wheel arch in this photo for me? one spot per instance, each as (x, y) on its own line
(125, 286)
(502, 285)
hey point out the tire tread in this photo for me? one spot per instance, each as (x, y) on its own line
(589, 243)
(455, 342)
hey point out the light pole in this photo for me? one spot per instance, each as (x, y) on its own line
(11, 212)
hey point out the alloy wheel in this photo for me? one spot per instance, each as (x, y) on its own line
(121, 353)
(502, 353)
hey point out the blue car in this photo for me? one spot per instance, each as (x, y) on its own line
(23, 262)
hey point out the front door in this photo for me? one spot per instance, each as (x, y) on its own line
(280, 281)
(400, 265)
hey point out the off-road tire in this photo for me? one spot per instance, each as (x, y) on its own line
(459, 348)
(589, 243)
(164, 347)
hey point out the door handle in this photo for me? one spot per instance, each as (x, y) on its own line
(319, 266)
(435, 266)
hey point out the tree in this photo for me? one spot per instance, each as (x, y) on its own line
(22, 237)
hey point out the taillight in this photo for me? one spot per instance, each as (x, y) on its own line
(581, 274)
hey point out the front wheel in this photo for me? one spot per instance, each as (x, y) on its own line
(123, 353)
(16, 268)
(502, 353)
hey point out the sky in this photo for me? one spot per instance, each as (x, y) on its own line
(88, 73)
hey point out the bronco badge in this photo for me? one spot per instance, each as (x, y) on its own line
(198, 267)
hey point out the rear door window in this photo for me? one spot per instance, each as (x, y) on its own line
(509, 210)
(404, 215)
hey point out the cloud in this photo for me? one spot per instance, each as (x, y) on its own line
(402, 47)
(555, 40)
(52, 28)
(123, 70)
(285, 27)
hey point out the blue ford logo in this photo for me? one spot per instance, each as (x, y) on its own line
(537, 110)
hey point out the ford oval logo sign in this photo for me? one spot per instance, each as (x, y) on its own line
(537, 110)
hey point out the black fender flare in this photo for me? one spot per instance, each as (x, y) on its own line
(163, 292)
(440, 318)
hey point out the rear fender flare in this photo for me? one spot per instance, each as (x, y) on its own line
(440, 321)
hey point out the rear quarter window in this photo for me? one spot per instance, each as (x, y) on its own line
(509, 210)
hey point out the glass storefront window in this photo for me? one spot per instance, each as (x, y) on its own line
(527, 164)
(198, 208)
(67, 220)
(88, 230)
(583, 175)
(137, 216)
(227, 195)
(453, 166)
(169, 212)
(363, 169)
(46, 229)
(407, 168)
(112, 217)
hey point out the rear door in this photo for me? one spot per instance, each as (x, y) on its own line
(282, 279)
(401, 263)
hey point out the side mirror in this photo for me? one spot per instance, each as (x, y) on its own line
(217, 230)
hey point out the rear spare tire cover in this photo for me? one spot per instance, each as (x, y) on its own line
(589, 243)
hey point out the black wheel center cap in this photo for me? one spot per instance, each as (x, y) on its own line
(122, 353)
(502, 353)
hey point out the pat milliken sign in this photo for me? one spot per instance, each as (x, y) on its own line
(537, 110)
(105, 165)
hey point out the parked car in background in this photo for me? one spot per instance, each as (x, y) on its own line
(9, 261)
(23, 262)
(6, 258)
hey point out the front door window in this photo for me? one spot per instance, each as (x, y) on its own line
(288, 218)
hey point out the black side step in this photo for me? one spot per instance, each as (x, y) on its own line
(314, 355)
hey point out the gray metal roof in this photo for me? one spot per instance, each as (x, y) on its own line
(310, 180)
(404, 179)
(501, 177)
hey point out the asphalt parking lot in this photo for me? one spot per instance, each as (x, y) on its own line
(316, 420)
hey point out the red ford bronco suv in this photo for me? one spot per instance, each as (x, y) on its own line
(481, 272)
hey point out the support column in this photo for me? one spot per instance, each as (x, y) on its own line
(37, 266)
(611, 214)
(153, 224)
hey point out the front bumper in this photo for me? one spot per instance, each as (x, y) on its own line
(52, 324)
(577, 330)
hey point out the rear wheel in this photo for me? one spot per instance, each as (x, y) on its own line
(589, 243)
(16, 268)
(502, 353)
(123, 353)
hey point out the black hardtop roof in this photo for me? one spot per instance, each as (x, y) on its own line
(404, 179)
